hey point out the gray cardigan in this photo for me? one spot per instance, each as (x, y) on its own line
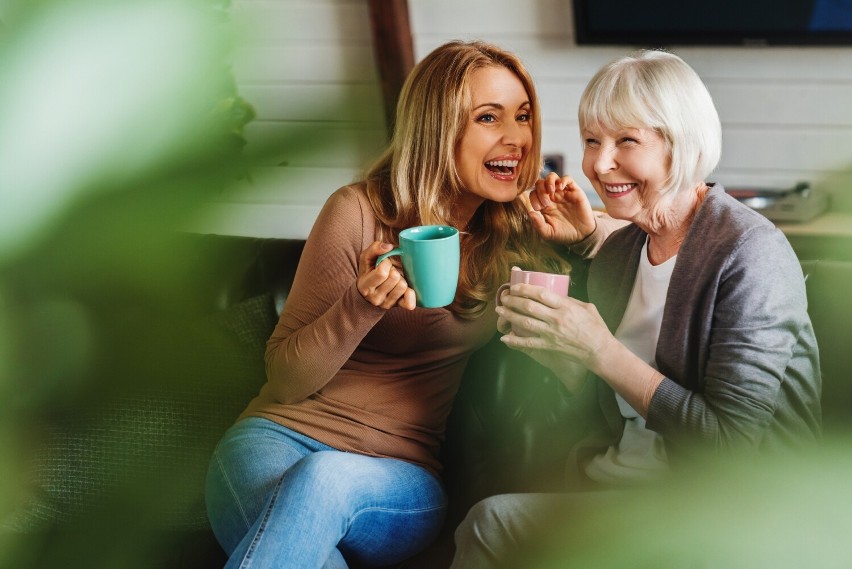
(736, 345)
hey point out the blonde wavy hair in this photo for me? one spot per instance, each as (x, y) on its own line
(415, 181)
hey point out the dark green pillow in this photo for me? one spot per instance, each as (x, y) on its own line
(141, 439)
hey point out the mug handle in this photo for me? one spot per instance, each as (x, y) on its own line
(503, 287)
(391, 253)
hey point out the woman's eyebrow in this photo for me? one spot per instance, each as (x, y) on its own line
(499, 106)
(494, 105)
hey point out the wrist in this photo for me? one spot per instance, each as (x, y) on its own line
(597, 357)
(651, 386)
(573, 376)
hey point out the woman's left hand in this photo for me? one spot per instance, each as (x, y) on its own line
(555, 324)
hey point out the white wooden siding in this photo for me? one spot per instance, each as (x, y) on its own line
(785, 111)
(307, 66)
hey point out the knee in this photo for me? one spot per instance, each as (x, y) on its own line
(484, 523)
(329, 474)
(326, 465)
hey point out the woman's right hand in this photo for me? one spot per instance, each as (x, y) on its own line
(560, 210)
(383, 285)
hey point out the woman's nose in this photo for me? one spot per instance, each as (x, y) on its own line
(513, 134)
(605, 160)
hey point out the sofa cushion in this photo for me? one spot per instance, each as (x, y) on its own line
(831, 315)
(146, 443)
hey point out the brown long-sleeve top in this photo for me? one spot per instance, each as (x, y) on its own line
(354, 376)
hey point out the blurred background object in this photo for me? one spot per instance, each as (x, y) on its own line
(100, 97)
(119, 120)
(741, 512)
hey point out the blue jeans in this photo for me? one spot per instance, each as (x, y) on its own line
(276, 498)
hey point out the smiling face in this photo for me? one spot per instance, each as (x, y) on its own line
(495, 141)
(627, 168)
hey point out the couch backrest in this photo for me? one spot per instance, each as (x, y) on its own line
(830, 309)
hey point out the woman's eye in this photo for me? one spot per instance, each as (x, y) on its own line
(590, 142)
(628, 140)
(524, 117)
(487, 117)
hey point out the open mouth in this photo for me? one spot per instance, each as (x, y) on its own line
(503, 168)
(618, 188)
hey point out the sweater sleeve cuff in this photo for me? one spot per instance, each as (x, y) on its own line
(589, 245)
(665, 406)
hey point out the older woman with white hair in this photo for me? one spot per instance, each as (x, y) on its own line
(696, 336)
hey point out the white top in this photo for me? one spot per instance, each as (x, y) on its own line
(640, 455)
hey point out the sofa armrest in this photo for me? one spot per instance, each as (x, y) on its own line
(831, 316)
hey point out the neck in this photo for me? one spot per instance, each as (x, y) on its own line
(666, 237)
(663, 247)
(463, 212)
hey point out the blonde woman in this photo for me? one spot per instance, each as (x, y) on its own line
(336, 460)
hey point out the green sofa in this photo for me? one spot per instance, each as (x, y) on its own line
(117, 467)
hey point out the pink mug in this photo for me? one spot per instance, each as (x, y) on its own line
(551, 281)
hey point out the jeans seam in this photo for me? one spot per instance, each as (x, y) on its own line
(246, 562)
(233, 492)
(395, 510)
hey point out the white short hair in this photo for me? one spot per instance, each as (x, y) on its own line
(656, 89)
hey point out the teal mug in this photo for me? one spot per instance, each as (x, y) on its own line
(430, 257)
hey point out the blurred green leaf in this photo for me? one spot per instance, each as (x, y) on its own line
(95, 95)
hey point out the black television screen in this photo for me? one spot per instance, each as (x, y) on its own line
(658, 23)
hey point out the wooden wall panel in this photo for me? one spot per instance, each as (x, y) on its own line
(784, 110)
(320, 102)
(308, 21)
(293, 143)
(308, 67)
(296, 62)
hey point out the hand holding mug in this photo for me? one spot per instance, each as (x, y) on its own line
(557, 324)
(430, 256)
(382, 284)
(553, 282)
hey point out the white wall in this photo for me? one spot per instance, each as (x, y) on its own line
(786, 112)
(307, 65)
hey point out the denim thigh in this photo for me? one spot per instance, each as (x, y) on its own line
(275, 496)
(246, 466)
